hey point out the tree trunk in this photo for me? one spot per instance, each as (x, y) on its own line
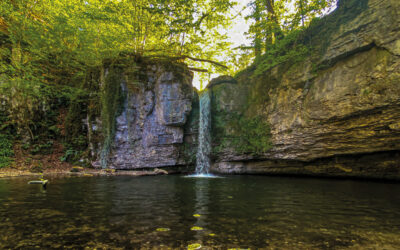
(257, 38)
(275, 33)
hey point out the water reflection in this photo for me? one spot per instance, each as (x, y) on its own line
(233, 212)
(201, 208)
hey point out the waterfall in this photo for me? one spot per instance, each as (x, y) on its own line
(204, 148)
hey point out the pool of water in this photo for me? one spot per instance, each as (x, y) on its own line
(175, 212)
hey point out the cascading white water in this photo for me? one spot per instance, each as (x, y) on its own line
(204, 148)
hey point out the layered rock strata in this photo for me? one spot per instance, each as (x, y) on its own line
(349, 106)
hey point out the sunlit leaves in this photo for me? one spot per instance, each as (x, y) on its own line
(273, 19)
(52, 43)
(97, 29)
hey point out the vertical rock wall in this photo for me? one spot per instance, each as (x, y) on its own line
(150, 130)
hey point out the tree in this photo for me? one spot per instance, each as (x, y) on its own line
(53, 43)
(274, 19)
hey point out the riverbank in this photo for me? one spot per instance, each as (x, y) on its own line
(79, 171)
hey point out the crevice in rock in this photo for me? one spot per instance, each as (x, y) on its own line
(361, 113)
(374, 165)
(331, 62)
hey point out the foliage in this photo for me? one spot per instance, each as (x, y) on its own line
(49, 48)
(42, 147)
(76, 140)
(274, 19)
(79, 33)
(6, 150)
(6, 140)
(275, 28)
(69, 155)
(239, 60)
(289, 49)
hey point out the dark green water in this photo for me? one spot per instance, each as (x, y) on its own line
(236, 212)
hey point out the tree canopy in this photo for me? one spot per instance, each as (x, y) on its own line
(275, 19)
(47, 44)
(92, 30)
(51, 44)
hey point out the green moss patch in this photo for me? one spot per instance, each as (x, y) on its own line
(112, 99)
(245, 135)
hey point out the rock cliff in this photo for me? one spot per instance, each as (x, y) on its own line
(151, 124)
(335, 113)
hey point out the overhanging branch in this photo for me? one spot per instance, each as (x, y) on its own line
(201, 60)
(183, 57)
(199, 70)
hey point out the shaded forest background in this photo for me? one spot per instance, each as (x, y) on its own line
(49, 48)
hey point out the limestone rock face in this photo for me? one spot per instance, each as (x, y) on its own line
(150, 130)
(381, 165)
(349, 109)
(350, 106)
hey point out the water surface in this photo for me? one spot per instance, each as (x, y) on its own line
(233, 212)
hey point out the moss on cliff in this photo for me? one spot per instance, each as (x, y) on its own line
(245, 135)
(188, 149)
(234, 126)
(112, 100)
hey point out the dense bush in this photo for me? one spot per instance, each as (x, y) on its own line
(6, 150)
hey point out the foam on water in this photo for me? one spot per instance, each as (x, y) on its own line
(203, 176)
